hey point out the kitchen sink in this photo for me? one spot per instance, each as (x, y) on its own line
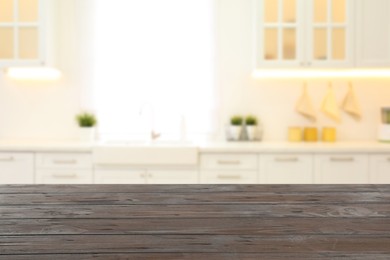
(123, 152)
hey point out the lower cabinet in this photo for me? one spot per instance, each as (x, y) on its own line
(286, 169)
(145, 176)
(61, 176)
(380, 169)
(64, 168)
(341, 169)
(16, 168)
(230, 168)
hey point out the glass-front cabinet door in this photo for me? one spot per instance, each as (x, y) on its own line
(330, 33)
(20, 32)
(279, 32)
(304, 33)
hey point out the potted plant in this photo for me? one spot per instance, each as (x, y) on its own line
(86, 122)
(251, 127)
(236, 127)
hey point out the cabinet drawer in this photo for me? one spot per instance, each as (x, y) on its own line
(228, 177)
(64, 160)
(380, 169)
(341, 169)
(70, 176)
(7, 158)
(286, 169)
(228, 162)
(16, 168)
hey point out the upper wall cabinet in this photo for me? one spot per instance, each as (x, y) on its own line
(373, 33)
(304, 33)
(20, 32)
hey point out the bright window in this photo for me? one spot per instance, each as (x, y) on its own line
(154, 62)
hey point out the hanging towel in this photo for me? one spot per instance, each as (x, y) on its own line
(350, 103)
(304, 105)
(329, 105)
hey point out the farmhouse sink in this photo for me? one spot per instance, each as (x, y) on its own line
(145, 153)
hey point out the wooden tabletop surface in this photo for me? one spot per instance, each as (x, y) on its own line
(195, 222)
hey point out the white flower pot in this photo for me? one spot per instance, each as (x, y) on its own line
(87, 134)
(235, 132)
(252, 132)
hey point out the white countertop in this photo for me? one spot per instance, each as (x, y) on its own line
(22, 145)
(208, 147)
(287, 147)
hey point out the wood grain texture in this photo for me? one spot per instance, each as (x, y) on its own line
(195, 222)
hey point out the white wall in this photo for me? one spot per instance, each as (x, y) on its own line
(46, 110)
(274, 101)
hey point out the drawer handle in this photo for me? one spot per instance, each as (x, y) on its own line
(221, 162)
(342, 159)
(7, 159)
(287, 159)
(65, 162)
(64, 175)
(229, 177)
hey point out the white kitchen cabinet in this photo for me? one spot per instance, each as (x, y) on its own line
(341, 169)
(21, 32)
(234, 168)
(16, 168)
(373, 33)
(124, 175)
(64, 168)
(380, 169)
(305, 34)
(286, 169)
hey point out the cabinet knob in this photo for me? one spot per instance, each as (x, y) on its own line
(286, 159)
(342, 159)
(7, 159)
(235, 162)
(229, 176)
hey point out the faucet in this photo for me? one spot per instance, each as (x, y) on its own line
(153, 134)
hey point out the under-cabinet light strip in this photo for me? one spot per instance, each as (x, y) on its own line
(341, 73)
(43, 73)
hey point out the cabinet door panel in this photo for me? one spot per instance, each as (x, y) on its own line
(16, 168)
(228, 161)
(279, 33)
(330, 33)
(341, 169)
(380, 169)
(21, 32)
(373, 33)
(70, 176)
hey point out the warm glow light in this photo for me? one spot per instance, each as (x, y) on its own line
(39, 73)
(335, 73)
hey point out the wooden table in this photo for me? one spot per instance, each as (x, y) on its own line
(195, 222)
